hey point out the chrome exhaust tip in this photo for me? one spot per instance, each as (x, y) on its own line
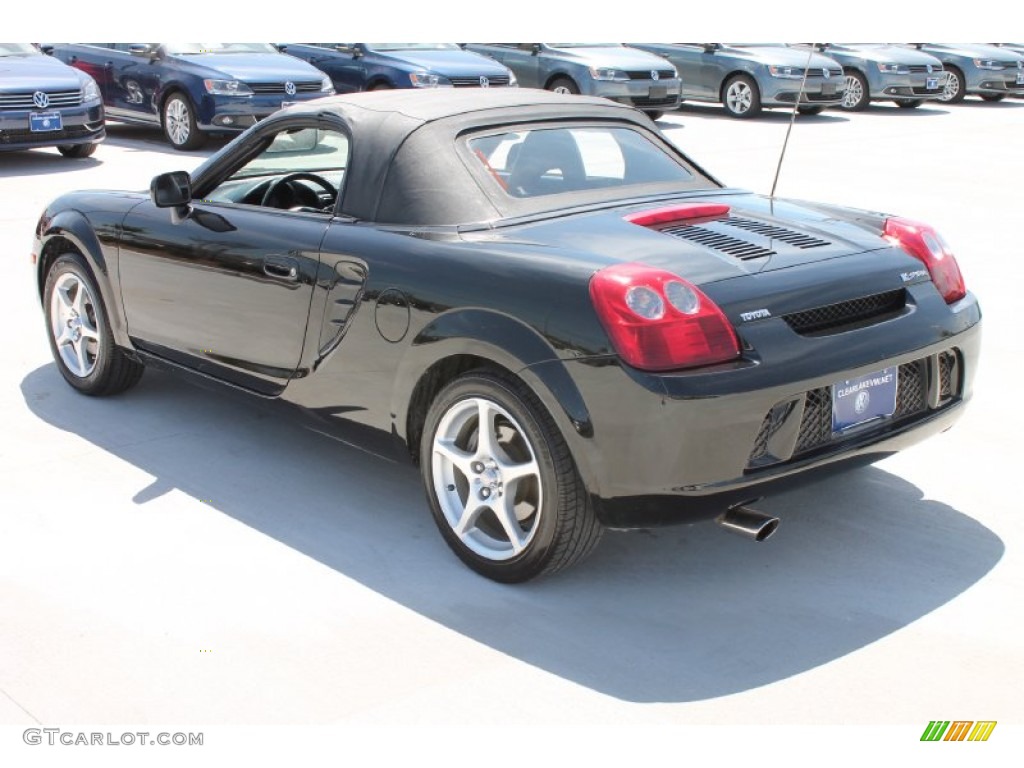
(748, 522)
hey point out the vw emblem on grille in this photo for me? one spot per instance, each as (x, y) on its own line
(289, 88)
(825, 73)
(860, 404)
(40, 99)
(484, 82)
(654, 74)
(928, 68)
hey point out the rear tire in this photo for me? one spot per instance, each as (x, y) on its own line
(79, 332)
(77, 151)
(512, 505)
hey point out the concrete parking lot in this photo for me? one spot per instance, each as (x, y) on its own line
(181, 555)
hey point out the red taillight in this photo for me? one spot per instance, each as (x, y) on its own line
(925, 244)
(657, 321)
(680, 212)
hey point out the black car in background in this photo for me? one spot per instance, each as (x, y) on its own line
(44, 103)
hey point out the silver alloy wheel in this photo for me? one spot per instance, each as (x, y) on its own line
(487, 479)
(950, 88)
(739, 97)
(854, 92)
(73, 324)
(561, 89)
(176, 118)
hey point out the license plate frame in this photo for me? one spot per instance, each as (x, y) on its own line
(1020, 78)
(286, 104)
(931, 83)
(864, 399)
(828, 89)
(657, 92)
(45, 122)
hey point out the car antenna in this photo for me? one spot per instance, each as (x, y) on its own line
(792, 119)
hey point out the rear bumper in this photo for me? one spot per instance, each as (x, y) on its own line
(683, 447)
(81, 125)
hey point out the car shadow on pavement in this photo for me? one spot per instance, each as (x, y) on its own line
(151, 139)
(674, 615)
(775, 115)
(41, 162)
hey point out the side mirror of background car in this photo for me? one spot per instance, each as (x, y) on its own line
(711, 47)
(146, 50)
(171, 190)
(46, 48)
(281, 47)
(536, 48)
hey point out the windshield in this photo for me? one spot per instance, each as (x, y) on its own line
(412, 46)
(17, 49)
(190, 49)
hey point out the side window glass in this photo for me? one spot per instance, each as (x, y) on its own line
(301, 169)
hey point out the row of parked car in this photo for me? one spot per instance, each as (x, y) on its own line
(192, 90)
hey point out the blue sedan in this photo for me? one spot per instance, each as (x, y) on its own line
(46, 104)
(192, 90)
(376, 66)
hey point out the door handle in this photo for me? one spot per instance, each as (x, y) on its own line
(281, 267)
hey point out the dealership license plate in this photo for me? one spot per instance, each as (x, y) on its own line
(288, 104)
(931, 83)
(828, 89)
(45, 121)
(657, 92)
(863, 399)
(1020, 78)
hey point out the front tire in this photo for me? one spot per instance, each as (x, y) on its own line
(992, 96)
(506, 497)
(741, 97)
(857, 95)
(810, 110)
(77, 151)
(79, 332)
(909, 103)
(179, 123)
(954, 89)
(655, 114)
(563, 85)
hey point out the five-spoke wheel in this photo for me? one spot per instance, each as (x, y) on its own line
(741, 97)
(502, 485)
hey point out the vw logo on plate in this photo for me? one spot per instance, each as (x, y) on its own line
(484, 82)
(289, 88)
(40, 99)
(654, 74)
(861, 403)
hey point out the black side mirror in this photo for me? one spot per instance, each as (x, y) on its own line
(281, 47)
(536, 48)
(711, 47)
(171, 190)
(144, 50)
(46, 48)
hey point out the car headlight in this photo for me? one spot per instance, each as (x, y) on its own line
(893, 69)
(326, 86)
(987, 64)
(90, 90)
(427, 80)
(789, 73)
(227, 88)
(604, 73)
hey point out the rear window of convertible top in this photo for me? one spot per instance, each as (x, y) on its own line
(549, 161)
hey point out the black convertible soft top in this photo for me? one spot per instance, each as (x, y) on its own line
(408, 168)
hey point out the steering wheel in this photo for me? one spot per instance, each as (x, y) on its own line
(285, 182)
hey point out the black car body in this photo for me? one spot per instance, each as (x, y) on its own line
(475, 252)
(44, 103)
